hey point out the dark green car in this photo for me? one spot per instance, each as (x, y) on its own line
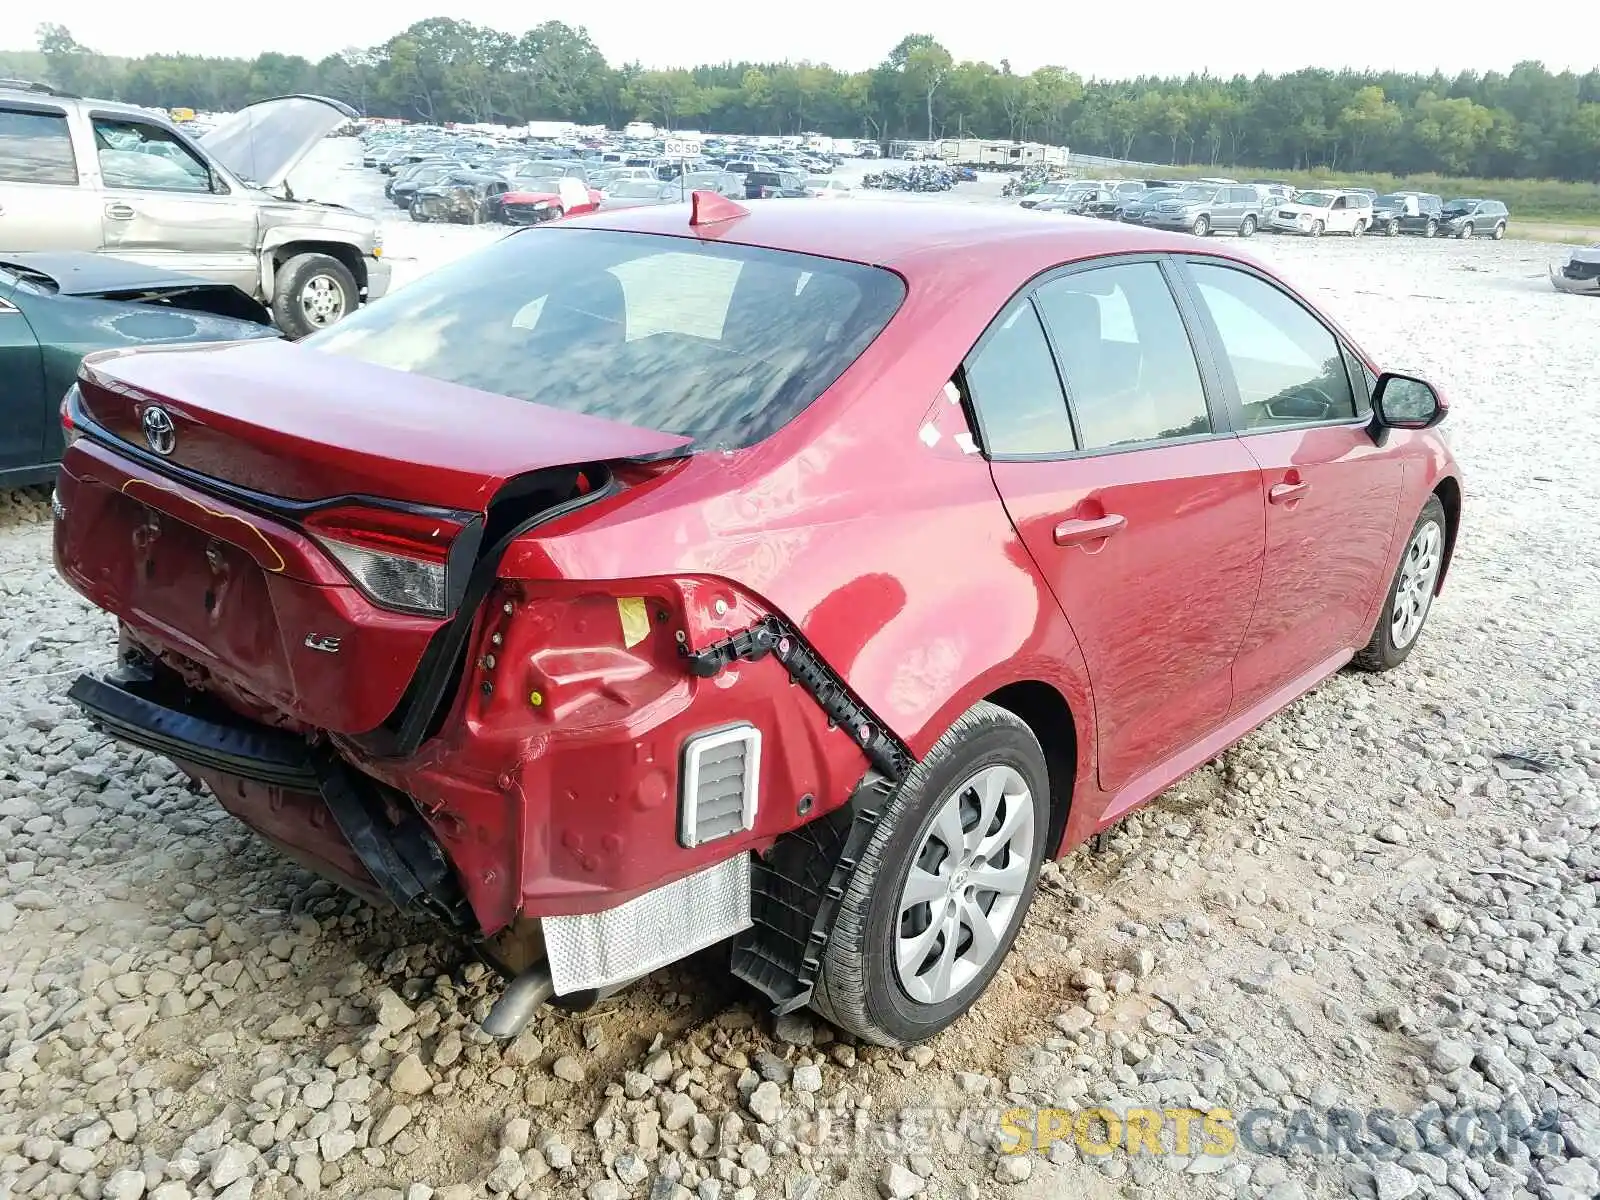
(56, 308)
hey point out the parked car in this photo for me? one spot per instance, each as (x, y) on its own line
(1134, 209)
(406, 184)
(1474, 218)
(91, 175)
(1407, 212)
(531, 207)
(1117, 193)
(1203, 208)
(1581, 274)
(633, 193)
(55, 308)
(1317, 213)
(1076, 200)
(825, 188)
(770, 185)
(1055, 189)
(462, 198)
(545, 623)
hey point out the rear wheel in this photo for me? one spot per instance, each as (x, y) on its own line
(1410, 594)
(940, 891)
(1431, 229)
(1360, 228)
(1201, 226)
(1247, 227)
(311, 292)
(1500, 231)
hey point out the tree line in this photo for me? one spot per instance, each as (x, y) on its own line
(1522, 124)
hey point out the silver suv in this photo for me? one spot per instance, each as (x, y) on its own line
(81, 174)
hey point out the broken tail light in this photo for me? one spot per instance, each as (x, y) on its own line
(400, 558)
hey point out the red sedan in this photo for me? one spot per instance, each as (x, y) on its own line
(802, 577)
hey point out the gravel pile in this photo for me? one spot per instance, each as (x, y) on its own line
(1383, 900)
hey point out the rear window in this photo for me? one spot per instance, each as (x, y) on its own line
(720, 343)
(35, 147)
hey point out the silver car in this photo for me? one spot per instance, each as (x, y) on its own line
(92, 175)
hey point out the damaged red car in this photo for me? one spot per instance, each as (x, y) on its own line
(797, 579)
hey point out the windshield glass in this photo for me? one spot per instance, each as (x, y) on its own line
(637, 189)
(1314, 199)
(540, 170)
(1392, 200)
(721, 343)
(1197, 192)
(1460, 206)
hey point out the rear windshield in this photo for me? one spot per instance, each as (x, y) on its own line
(720, 343)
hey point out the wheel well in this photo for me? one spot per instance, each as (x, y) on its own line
(1046, 713)
(1449, 493)
(343, 251)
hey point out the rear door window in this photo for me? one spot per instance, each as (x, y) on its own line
(36, 147)
(723, 344)
(1012, 381)
(1129, 366)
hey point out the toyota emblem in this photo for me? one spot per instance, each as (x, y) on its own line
(159, 430)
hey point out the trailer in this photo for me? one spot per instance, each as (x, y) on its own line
(1000, 155)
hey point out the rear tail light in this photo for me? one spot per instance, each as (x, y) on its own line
(69, 432)
(400, 559)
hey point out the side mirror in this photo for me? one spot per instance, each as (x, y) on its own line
(1405, 402)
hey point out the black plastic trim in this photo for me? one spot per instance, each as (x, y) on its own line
(249, 751)
(407, 727)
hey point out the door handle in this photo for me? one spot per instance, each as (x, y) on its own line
(1287, 493)
(1078, 533)
(120, 212)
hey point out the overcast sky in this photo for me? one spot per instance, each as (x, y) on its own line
(1162, 37)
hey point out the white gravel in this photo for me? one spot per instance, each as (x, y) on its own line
(1361, 906)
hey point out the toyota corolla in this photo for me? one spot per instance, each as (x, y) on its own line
(803, 577)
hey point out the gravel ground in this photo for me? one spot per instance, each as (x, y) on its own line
(1384, 899)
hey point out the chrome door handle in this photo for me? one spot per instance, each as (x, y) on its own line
(1286, 492)
(120, 212)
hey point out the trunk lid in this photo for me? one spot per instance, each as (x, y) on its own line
(275, 607)
(289, 421)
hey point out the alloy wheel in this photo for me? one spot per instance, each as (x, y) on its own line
(1413, 595)
(964, 889)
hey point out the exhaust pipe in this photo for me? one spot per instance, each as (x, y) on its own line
(523, 997)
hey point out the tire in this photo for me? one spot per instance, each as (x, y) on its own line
(1431, 229)
(1247, 227)
(1317, 228)
(294, 308)
(1201, 226)
(1466, 231)
(1392, 229)
(1360, 228)
(861, 987)
(1391, 642)
(1500, 231)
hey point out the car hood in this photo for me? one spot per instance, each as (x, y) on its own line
(263, 142)
(1587, 254)
(87, 274)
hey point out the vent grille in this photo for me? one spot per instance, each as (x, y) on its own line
(721, 773)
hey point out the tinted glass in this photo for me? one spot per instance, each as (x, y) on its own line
(1130, 369)
(720, 343)
(36, 148)
(1287, 365)
(133, 155)
(1012, 381)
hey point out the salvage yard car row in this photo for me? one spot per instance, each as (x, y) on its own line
(1226, 206)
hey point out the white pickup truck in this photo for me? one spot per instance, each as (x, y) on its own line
(80, 174)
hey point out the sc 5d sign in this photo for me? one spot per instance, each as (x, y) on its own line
(678, 148)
